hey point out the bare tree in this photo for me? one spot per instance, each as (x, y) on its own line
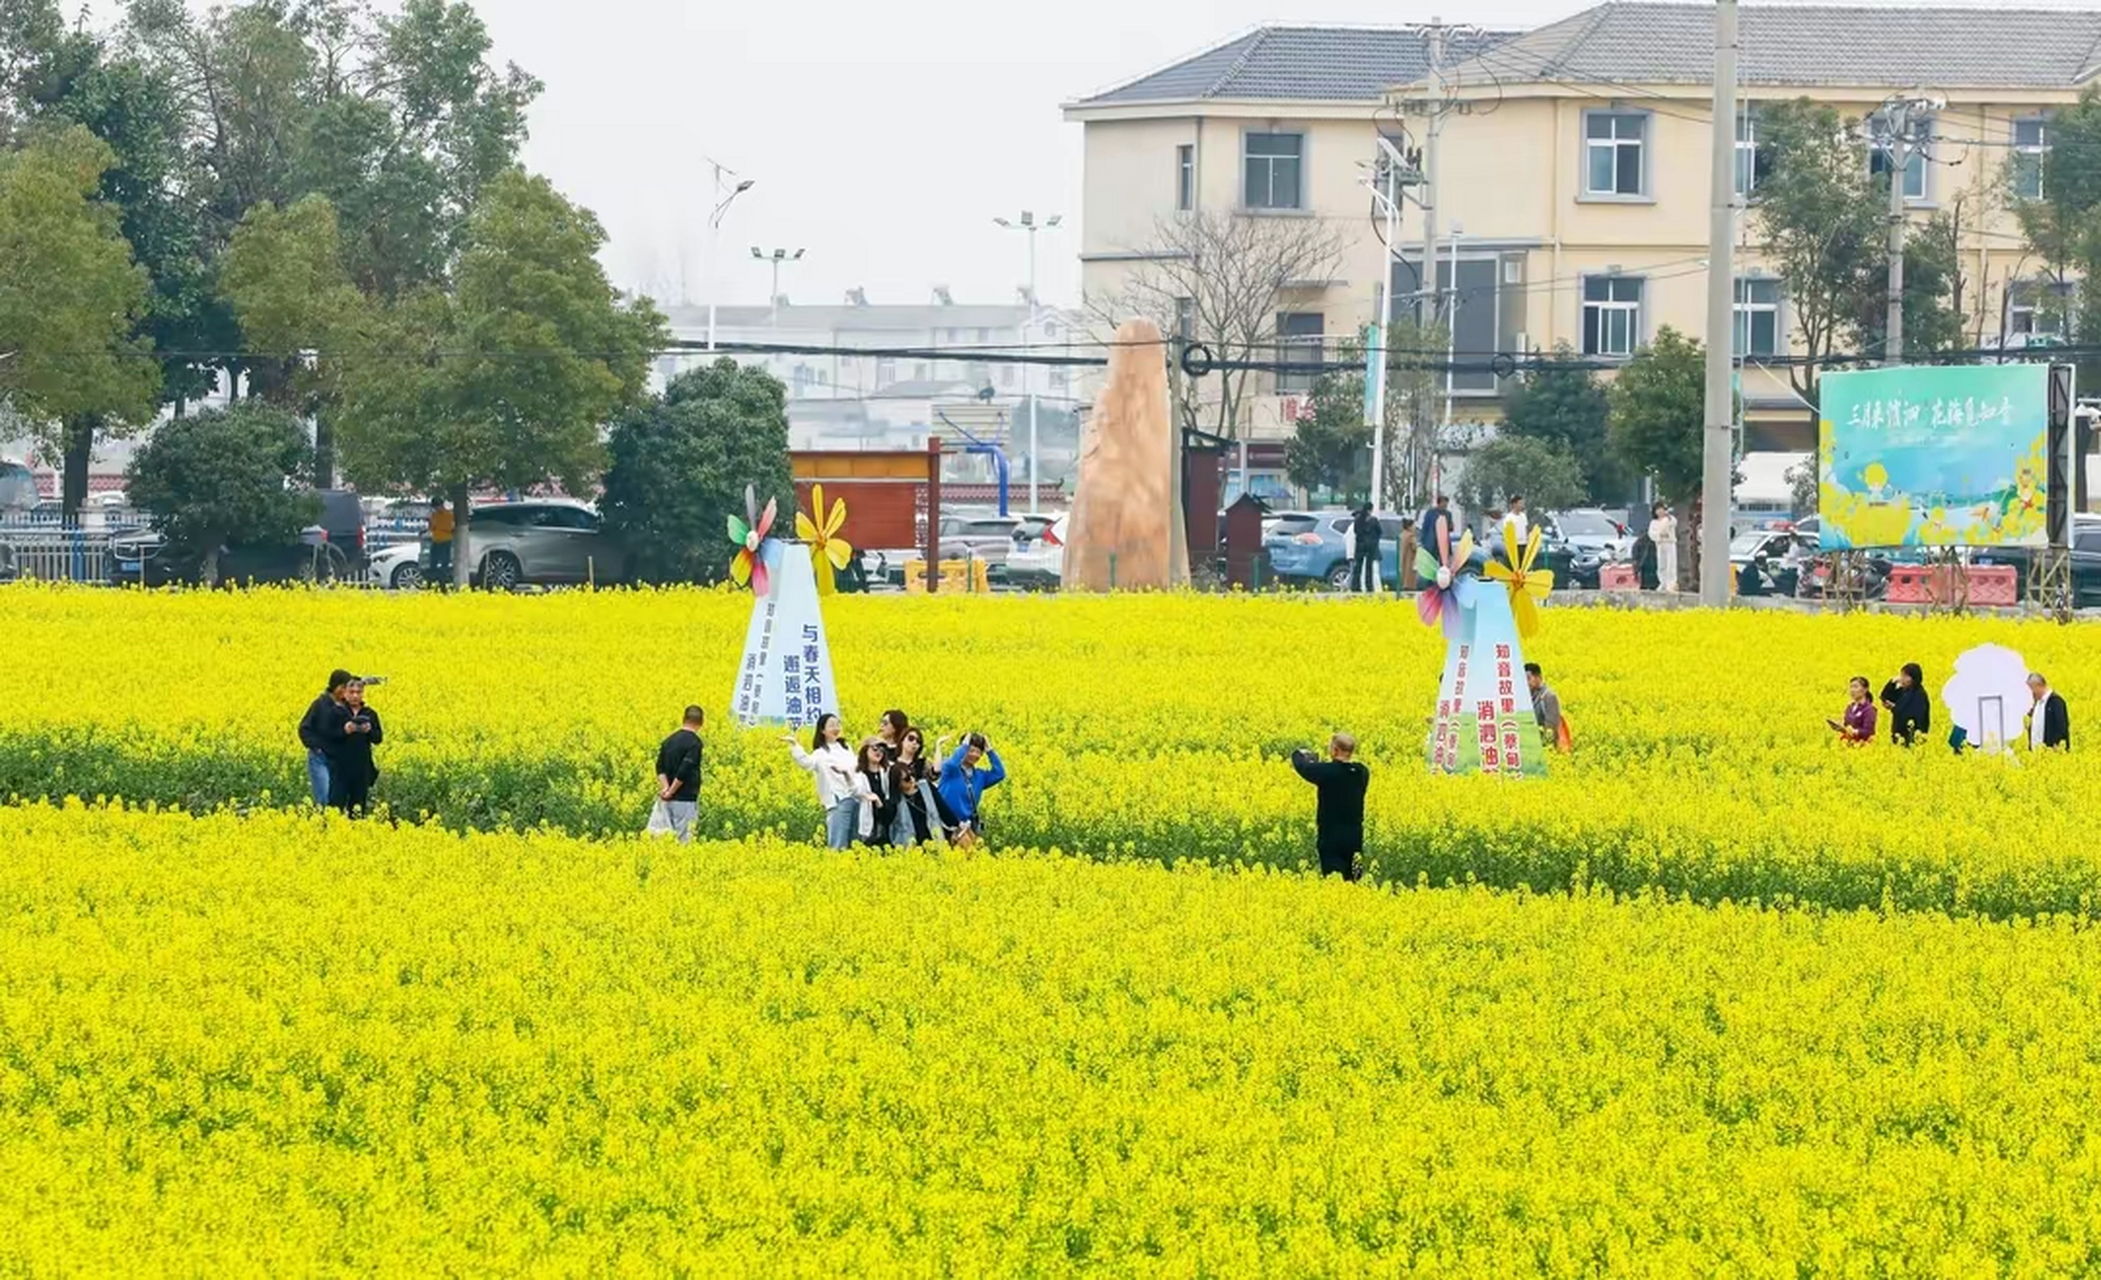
(1220, 279)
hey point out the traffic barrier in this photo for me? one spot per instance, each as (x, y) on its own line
(1618, 577)
(1987, 585)
(970, 573)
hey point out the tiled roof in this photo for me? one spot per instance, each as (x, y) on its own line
(1786, 44)
(1320, 64)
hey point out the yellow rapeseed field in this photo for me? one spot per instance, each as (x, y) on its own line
(1143, 726)
(284, 1044)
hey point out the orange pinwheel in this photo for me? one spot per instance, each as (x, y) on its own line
(1527, 585)
(828, 551)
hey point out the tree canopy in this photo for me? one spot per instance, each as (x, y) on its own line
(224, 478)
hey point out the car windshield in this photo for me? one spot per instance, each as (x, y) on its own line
(1748, 544)
(1585, 524)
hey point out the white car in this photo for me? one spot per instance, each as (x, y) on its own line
(399, 567)
(1040, 563)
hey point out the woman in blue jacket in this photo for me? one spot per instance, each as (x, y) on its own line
(965, 777)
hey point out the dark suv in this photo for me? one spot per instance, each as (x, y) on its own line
(331, 548)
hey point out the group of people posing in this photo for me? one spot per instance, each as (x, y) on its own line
(890, 792)
(1911, 712)
(339, 731)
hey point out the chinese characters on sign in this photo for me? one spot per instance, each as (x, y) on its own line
(786, 675)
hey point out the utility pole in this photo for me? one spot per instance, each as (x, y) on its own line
(1426, 276)
(1386, 181)
(1028, 223)
(777, 257)
(1899, 129)
(722, 205)
(1716, 463)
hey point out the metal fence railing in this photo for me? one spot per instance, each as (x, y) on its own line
(52, 552)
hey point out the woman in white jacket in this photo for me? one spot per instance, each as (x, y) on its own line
(839, 783)
(1663, 531)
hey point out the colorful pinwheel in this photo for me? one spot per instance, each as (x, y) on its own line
(1526, 584)
(749, 534)
(828, 551)
(1435, 600)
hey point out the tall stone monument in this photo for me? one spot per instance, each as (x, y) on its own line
(1128, 508)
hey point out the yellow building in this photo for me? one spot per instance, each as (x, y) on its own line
(1573, 171)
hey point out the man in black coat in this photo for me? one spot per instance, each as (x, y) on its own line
(1339, 814)
(1364, 565)
(2049, 721)
(321, 733)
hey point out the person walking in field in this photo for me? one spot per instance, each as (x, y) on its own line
(678, 779)
(351, 772)
(965, 778)
(2049, 719)
(320, 732)
(1546, 709)
(1340, 783)
(832, 762)
(1857, 724)
(1910, 711)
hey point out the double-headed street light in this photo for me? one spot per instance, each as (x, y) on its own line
(777, 257)
(1029, 224)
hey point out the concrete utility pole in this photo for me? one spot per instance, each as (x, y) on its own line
(1716, 464)
(1426, 274)
(1899, 129)
(1028, 223)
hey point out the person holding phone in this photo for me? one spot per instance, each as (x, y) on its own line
(351, 772)
(1856, 724)
(1910, 711)
(832, 763)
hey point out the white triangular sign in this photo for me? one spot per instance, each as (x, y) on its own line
(785, 676)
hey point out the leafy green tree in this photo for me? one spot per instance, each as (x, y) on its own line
(1544, 471)
(70, 297)
(1659, 415)
(680, 462)
(1330, 448)
(2063, 226)
(506, 381)
(29, 31)
(1561, 403)
(224, 478)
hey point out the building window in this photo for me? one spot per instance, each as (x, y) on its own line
(1612, 147)
(803, 377)
(885, 373)
(1611, 315)
(1757, 317)
(1914, 167)
(2035, 309)
(2031, 142)
(1299, 340)
(1185, 177)
(1271, 170)
(1752, 163)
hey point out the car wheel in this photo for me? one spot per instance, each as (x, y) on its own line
(1339, 577)
(408, 576)
(501, 571)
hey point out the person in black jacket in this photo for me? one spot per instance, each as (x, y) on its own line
(321, 732)
(2049, 720)
(351, 772)
(874, 763)
(1339, 813)
(1910, 711)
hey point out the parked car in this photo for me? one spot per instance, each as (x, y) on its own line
(1041, 563)
(2086, 562)
(965, 535)
(1571, 568)
(539, 542)
(1589, 529)
(1784, 553)
(402, 566)
(140, 557)
(1308, 547)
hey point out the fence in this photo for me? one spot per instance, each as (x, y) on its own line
(51, 550)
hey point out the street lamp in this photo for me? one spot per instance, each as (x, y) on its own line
(722, 205)
(1028, 223)
(777, 257)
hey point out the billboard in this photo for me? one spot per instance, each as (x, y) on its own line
(1934, 456)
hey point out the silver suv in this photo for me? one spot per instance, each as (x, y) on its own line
(540, 542)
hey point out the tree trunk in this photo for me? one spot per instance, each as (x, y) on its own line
(209, 570)
(79, 455)
(324, 452)
(1689, 547)
(462, 568)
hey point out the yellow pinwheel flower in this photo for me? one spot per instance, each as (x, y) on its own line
(1527, 585)
(828, 551)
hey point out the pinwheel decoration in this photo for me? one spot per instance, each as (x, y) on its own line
(1527, 585)
(1436, 600)
(829, 552)
(750, 534)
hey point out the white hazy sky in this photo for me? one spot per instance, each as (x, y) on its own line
(882, 138)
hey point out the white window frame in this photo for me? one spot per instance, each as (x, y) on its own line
(1746, 150)
(1300, 347)
(2025, 315)
(1270, 162)
(1746, 311)
(2029, 158)
(1185, 176)
(1613, 306)
(1922, 157)
(1617, 144)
